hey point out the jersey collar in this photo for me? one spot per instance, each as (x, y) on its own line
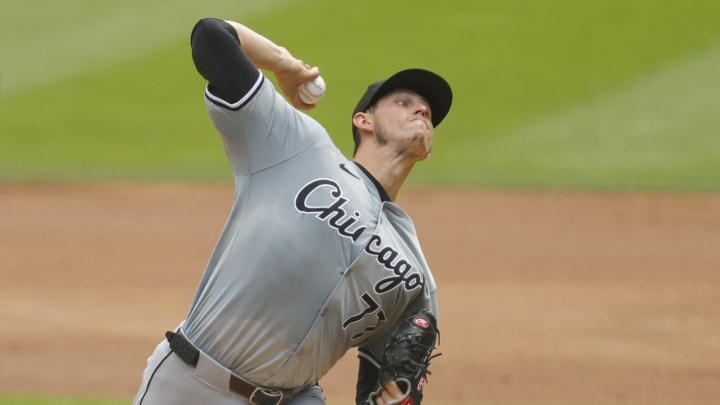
(383, 195)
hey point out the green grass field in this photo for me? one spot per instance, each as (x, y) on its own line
(613, 94)
(598, 94)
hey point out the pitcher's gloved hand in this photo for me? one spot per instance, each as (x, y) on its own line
(406, 361)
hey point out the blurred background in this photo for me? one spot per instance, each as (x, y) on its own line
(554, 93)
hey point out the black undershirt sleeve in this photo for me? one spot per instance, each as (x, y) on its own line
(368, 375)
(221, 61)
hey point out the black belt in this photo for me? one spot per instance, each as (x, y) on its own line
(190, 355)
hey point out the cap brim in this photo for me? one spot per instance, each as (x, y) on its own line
(431, 86)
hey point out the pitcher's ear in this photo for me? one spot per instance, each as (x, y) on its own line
(362, 120)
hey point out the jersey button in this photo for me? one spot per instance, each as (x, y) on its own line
(324, 312)
(301, 351)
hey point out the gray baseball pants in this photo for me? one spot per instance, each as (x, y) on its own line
(167, 380)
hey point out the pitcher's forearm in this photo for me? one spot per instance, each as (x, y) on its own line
(263, 52)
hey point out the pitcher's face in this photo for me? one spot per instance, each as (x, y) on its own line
(402, 120)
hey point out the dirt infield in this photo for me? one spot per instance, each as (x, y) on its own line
(546, 298)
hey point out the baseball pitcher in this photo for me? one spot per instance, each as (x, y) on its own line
(315, 257)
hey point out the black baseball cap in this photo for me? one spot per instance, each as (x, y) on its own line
(424, 82)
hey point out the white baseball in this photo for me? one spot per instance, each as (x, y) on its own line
(311, 92)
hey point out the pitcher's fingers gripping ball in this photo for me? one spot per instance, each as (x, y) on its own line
(407, 358)
(312, 91)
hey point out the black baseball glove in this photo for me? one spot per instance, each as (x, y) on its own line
(407, 358)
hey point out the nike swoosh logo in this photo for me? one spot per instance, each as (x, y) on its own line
(346, 170)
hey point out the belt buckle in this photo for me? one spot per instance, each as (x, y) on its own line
(276, 396)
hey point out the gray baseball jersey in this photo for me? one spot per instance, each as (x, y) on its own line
(312, 260)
